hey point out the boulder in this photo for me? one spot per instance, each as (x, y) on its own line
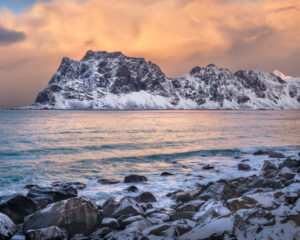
(165, 174)
(7, 227)
(108, 181)
(192, 206)
(76, 185)
(183, 225)
(145, 197)
(135, 178)
(76, 215)
(158, 230)
(132, 189)
(290, 163)
(185, 196)
(130, 220)
(109, 207)
(128, 207)
(47, 195)
(110, 222)
(243, 167)
(100, 233)
(17, 207)
(261, 152)
(207, 167)
(240, 203)
(269, 169)
(276, 155)
(50, 233)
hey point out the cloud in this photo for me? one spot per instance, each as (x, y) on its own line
(8, 37)
(176, 34)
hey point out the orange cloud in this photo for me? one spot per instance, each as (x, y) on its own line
(175, 34)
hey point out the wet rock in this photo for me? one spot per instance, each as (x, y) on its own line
(110, 222)
(276, 155)
(132, 189)
(185, 196)
(295, 218)
(158, 230)
(219, 190)
(286, 174)
(108, 181)
(50, 233)
(183, 225)
(109, 207)
(135, 178)
(100, 233)
(165, 174)
(261, 152)
(130, 220)
(76, 215)
(28, 186)
(269, 169)
(289, 163)
(47, 195)
(76, 185)
(214, 229)
(17, 207)
(192, 206)
(243, 167)
(267, 183)
(7, 227)
(241, 203)
(207, 167)
(128, 207)
(145, 197)
(182, 215)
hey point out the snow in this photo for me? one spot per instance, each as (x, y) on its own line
(215, 227)
(277, 73)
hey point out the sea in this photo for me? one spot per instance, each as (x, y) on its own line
(41, 147)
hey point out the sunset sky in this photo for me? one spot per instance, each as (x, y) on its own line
(175, 34)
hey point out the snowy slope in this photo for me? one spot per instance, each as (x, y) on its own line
(104, 80)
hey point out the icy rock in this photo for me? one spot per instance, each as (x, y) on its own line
(76, 215)
(49, 233)
(7, 227)
(110, 222)
(145, 197)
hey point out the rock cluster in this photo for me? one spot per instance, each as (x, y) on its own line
(262, 206)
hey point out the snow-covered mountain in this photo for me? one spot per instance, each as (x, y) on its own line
(277, 73)
(103, 80)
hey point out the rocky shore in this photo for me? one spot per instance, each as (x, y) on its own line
(261, 206)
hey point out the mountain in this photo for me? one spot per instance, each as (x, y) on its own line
(102, 80)
(277, 73)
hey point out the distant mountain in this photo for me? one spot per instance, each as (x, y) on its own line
(277, 73)
(103, 80)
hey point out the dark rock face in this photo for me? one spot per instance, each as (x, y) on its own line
(276, 155)
(207, 167)
(50, 233)
(135, 178)
(243, 167)
(85, 84)
(17, 207)
(7, 227)
(75, 215)
(132, 189)
(165, 174)
(146, 197)
(108, 181)
(46, 195)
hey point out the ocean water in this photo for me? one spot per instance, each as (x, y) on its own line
(40, 147)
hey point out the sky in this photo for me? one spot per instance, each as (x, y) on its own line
(175, 34)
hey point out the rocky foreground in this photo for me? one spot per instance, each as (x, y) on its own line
(262, 206)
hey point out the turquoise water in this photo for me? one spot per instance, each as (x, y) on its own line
(41, 147)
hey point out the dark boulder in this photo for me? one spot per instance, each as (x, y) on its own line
(76, 185)
(243, 167)
(108, 207)
(110, 222)
(76, 215)
(165, 174)
(276, 155)
(50, 233)
(135, 178)
(145, 197)
(132, 189)
(7, 227)
(269, 169)
(290, 163)
(108, 181)
(128, 207)
(207, 167)
(17, 207)
(46, 195)
(261, 152)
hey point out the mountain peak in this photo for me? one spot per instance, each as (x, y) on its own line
(277, 73)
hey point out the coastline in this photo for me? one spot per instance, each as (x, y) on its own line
(266, 204)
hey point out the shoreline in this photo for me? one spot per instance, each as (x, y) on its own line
(266, 204)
